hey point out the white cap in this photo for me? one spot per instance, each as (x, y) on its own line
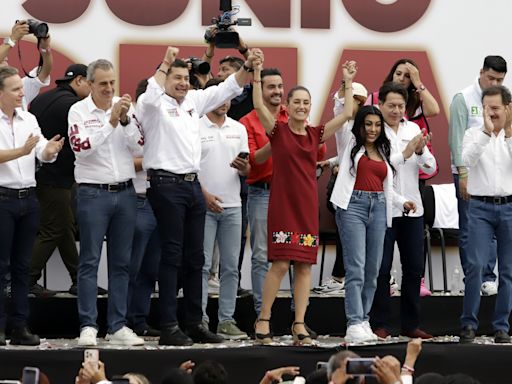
(358, 89)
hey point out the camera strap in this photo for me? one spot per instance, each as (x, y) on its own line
(40, 64)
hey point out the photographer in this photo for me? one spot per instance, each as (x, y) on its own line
(37, 79)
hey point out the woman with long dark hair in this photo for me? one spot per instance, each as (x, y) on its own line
(364, 197)
(293, 225)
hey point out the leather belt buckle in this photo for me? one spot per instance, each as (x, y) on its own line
(497, 200)
(113, 187)
(189, 177)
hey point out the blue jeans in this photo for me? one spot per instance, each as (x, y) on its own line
(490, 253)
(487, 220)
(257, 207)
(179, 209)
(144, 265)
(102, 213)
(362, 228)
(19, 220)
(224, 228)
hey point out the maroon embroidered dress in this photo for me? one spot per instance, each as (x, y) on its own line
(293, 207)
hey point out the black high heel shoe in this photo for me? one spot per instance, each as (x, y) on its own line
(300, 338)
(262, 338)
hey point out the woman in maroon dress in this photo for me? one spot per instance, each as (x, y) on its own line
(293, 207)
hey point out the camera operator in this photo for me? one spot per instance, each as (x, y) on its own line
(31, 85)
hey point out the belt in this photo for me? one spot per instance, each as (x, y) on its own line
(497, 200)
(182, 176)
(114, 187)
(261, 185)
(17, 193)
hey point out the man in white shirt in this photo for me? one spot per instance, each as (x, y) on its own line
(21, 142)
(169, 114)
(103, 137)
(407, 229)
(31, 84)
(465, 112)
(224, 157)
(487, 153)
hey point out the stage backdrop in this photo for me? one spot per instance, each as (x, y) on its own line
(307, 39)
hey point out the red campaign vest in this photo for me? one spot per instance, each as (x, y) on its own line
(422, 122)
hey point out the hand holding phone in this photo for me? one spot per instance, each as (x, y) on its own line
(243, 155)
(360, 366)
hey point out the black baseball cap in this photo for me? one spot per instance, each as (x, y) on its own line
(73, 71)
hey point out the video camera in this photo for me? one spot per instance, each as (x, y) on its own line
(225, 36)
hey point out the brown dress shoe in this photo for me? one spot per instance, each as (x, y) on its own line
(417, 333)
(381, 333)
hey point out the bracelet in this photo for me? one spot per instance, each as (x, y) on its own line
(206, 54)
(247, 69)
(166, 62)
(407, 368)
(463, 176)
(347, 88)
(256, 81)
(161, 70)
(243, 51)
(45, 50)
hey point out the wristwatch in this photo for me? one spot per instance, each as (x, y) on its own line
(421, 88)
(10, 42)
(126, 122)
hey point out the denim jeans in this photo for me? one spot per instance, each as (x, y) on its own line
(485, 221)
(362, 229)
(102, 213)
(19, 220)
(257, 208)
(407, 232)
(490, 253)
(179, 208)
(224, 228)
(144, 265)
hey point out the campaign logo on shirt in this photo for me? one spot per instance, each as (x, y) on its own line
(173, 112)
(475, 111)
(207, 139)
(93, 123)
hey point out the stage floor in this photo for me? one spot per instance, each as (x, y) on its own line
(245, 362)
(56, 319)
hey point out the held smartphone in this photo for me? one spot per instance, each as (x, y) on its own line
(243, 155)
(93, 356)
(321, 365)
(360, 366)
(30, 375)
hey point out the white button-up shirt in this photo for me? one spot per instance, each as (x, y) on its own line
(489, 162)
(32, 86)
(219, 147)
(20, 173)
(104, 154)
(406, 182)
(171, 129)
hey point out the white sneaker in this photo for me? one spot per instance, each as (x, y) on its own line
(124, 336)
(489, 288)
(331, 286)
(369, 332)
(356, 334)
(393, 287)
(88, 337)
(213, 284)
